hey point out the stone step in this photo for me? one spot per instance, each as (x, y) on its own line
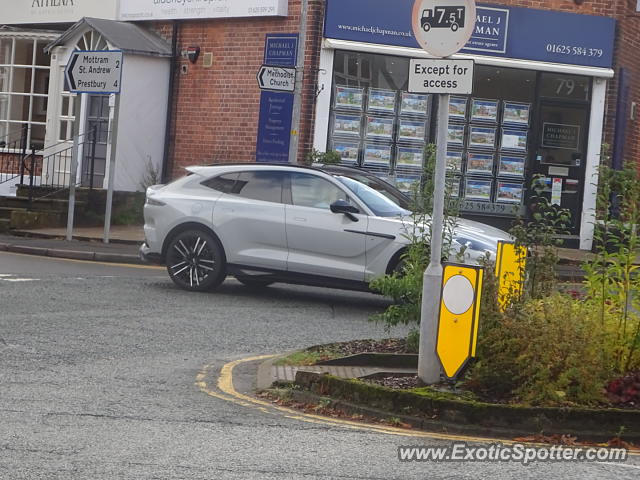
(5, 212)
(288, 373)
(5, 225)
(38, 204)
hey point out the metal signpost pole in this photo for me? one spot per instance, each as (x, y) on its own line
(441, 28)
(73, 173)
(297, 100)
(428, 363)
(72, 188)
(113, 141)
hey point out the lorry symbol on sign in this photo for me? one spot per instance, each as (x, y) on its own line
(443, 17)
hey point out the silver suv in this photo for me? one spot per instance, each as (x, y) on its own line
(330, 226)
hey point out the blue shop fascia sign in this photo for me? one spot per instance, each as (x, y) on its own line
(501, 31)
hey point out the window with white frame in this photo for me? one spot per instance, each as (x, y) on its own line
(24, 86)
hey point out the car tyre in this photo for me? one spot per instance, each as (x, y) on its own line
(254, 282)
(195, 261)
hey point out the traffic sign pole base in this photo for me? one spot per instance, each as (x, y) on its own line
(428, 362)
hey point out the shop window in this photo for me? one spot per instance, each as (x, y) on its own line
(488, 148)
(565, 87)
(24, 83)
(375, 123)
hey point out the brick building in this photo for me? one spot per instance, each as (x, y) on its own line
(554, 80)
(216, 109)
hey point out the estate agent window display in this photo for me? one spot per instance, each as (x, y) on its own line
(516, 124)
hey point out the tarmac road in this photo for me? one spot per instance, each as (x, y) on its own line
(97, 381)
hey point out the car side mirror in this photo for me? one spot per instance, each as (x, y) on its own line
(344, 207)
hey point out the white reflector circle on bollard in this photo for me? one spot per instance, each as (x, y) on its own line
(458, 294)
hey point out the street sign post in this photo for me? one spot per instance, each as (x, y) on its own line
(442, 28)
(97, 72)
(94, 71)
(279, 79)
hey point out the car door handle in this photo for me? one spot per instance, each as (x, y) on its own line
(299, 219)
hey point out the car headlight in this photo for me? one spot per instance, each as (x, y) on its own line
(155, 203)
(475, 244)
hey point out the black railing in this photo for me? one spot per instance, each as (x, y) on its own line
(47, 171)
(54, 167)
(56, 161)
(13, 152)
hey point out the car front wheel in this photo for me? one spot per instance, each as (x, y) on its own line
(195, 261)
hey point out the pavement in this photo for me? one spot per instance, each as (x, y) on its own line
(124, 242)
(87, 243)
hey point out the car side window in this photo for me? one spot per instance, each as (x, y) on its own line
(312, 191)
(260, 185)
(222, 183)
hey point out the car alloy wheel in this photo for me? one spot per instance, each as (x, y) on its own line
(195, 261)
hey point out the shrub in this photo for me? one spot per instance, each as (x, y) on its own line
(612, 279)
(327, 158)
(625, 391)
(540, 236)
(404, 286)
(543, 352)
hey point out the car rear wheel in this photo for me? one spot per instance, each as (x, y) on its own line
(254, 282)
(195, 261)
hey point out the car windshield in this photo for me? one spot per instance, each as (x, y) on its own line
(379, 204)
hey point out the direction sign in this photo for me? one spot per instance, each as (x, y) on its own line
(441, 76)
(277, 78)
(94, 71)
(443, 27)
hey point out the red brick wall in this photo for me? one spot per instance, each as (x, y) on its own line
(215, 112)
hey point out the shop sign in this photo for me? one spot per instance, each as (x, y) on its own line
(510, 32)
(281, 49)
(558, 135)
(274, 127)
(441, 76)
(55, 11)
(489, 208)
(490, 33)
(133, 10)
